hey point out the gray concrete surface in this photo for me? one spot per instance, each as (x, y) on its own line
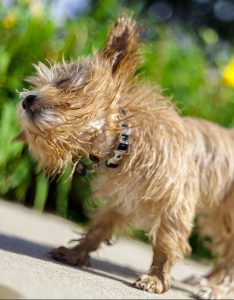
(27, 272)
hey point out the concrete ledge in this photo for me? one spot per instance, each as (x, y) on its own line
(27, 272)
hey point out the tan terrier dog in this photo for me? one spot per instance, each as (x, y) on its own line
(156, 168)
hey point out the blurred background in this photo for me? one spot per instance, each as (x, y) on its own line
(188, 50)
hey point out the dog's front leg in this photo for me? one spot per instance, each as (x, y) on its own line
(170, 244)
(100, 230)
(157, 280)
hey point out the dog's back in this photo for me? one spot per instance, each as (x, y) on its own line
(213, 151)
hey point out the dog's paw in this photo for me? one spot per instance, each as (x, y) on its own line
(71, 256)
(152, 284)
(196, 280)
(211, 292)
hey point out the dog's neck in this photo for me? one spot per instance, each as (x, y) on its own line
(111, 141)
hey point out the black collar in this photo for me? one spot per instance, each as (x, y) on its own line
(121, 147)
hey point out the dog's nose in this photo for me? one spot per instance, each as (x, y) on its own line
(28, 101)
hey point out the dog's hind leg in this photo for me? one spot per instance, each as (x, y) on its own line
(220, 226)
(220, 282)
(100, 230)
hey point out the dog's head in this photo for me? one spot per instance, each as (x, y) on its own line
(72, 102)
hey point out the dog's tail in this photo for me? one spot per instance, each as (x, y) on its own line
(122, 43)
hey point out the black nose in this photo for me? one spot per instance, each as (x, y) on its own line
(28, 101)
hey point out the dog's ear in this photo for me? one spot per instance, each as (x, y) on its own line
(121, 46)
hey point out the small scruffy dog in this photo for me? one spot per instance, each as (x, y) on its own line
(156, 168)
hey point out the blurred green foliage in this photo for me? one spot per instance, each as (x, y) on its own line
(173, 59)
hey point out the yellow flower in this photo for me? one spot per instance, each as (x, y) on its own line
(228, 74)
(9, 21)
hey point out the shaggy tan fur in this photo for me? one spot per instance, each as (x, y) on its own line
(174, 167)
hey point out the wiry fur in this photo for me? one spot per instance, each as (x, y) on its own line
(174, 168)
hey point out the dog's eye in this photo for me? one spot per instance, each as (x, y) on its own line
(62, 82)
